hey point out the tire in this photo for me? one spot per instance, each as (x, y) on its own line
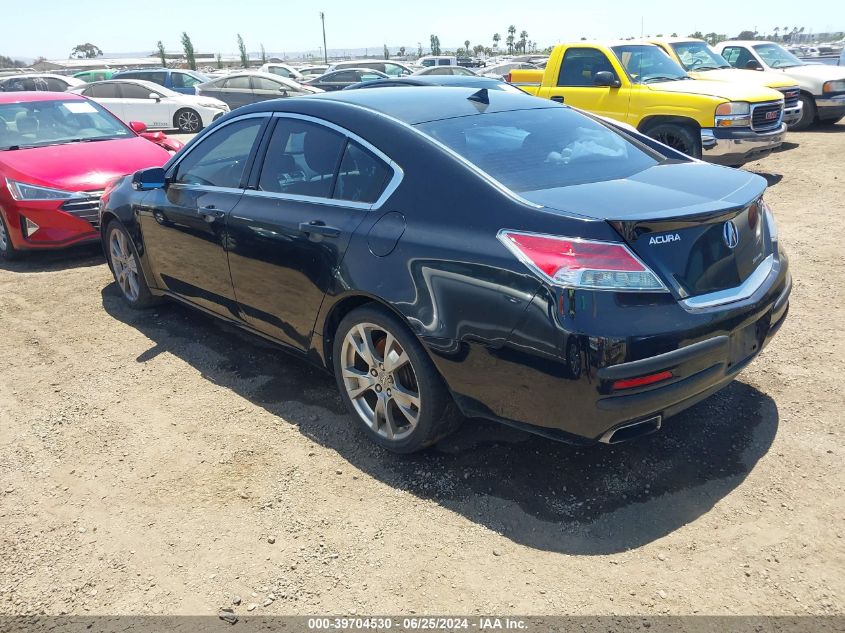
(366, 339)
(187, 121)
(678, 137)
(808, 114)
(126, 268)
(8, 251)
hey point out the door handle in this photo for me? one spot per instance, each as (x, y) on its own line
(211, 213)
(557, 98)
(318, 227)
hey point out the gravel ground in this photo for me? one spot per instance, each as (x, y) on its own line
(161, 462)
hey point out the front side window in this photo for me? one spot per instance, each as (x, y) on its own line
(777, 56)
(240, 82)
(134, 91)
(184, 80)
(344, 76)
(262, 83)
(302, 159)
(647, 64)
(737, 56)
(219, 159)
(580, 66)
(362, 175)
(543, 148)
(394, 70)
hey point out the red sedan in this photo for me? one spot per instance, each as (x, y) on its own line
(58, 151)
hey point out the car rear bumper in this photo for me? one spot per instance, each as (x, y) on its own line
(558, 374)
(726, 146)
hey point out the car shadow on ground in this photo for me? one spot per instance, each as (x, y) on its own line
(543, 494)
(771, 179)
(55, 260)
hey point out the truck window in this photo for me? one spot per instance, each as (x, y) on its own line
(737, 56)
(580, 66)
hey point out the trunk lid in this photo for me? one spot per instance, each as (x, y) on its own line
(700, 228)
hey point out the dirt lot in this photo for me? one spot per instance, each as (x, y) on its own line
(162, 463)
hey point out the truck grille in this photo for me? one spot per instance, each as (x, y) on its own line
(87, 208)
(790, 97)
(766, 116)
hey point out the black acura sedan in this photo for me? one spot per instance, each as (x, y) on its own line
(450, 252)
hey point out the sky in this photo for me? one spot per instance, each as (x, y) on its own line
(53, 27)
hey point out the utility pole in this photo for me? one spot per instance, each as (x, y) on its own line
(325, 50)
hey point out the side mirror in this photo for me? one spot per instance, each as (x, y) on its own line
(138, 127)
(148, 179)
(155, 95)
(606, 78)
(753, 64)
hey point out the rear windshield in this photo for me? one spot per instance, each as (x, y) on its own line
(528, 150)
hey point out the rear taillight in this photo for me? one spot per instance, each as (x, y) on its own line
(577, 263)
(507, 78)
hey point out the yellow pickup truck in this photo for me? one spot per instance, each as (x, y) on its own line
(702, 62)
(637, 83)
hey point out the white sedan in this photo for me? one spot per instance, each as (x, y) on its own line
(154, 105)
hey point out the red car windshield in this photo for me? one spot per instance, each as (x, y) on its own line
(41, 123)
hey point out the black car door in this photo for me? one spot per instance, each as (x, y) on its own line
(290, 231)
(184, 224)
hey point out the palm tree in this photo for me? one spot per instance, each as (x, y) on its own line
(466, 46)
(777, 29)
(511, 37)
(496, 38)
(523, 38)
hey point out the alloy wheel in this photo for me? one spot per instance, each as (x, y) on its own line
(188, 121)
(380, 380)
(124, 265)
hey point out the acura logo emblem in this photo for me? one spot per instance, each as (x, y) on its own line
(730, 234)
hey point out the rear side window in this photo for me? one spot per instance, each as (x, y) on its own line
(241, 82)
(344, 75)
(55, 85)
(362, 176)
(262, 83)
(580, 66)
(545, 148)
(103, 91)
(220, 158)
(302, 159)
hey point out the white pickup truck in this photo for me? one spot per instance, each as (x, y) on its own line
(822, 86)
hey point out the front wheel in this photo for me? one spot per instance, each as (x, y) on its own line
(678, 137)
(7, 249)
(389, 383)
(187, 121)
(126, 267)
(808, 114)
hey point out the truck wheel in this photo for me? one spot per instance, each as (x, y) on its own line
(678, 137)
(808, 113)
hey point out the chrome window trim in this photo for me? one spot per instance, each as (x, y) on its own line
(194, 145)
(472, 166)
(392, 185)
(738, 293)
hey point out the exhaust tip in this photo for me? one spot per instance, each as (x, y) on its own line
(632, 431)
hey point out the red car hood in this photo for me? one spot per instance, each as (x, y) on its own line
(81, 166)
